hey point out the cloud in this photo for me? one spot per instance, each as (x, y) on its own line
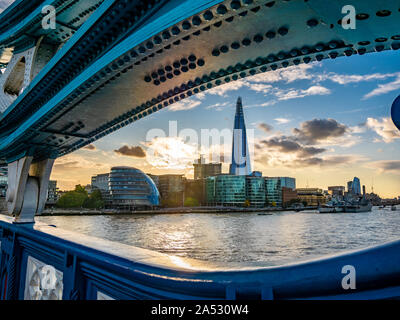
(170, 153)
(90, 147)
(67, 165)
(260, 87)
(186, 104)
(218, 106)
(391, 166)
(307, 146)
(268, 104)
(288, 145)
(265, 127)
(134, 151)
(231, 86)
(289, 94)
(328, 161)
(282, 120)
(384, 128)
(384, 88)
(344, 79)
(317, 130)
(262, 82)
(287, 75)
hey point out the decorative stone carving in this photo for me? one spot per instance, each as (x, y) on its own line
(103, 296)
(43, 282)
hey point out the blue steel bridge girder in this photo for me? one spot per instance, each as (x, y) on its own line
(175, 52)
(189, 49)
(105, 28)
(24, 19)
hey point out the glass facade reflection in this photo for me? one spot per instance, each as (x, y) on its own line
(226, 190)
(356, 186)
(255, 189)
(273, 188)
(131, 188)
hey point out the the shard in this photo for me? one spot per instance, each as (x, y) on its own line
(240, 150)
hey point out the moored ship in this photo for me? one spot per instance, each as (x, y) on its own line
(332, 207)
(361, 206)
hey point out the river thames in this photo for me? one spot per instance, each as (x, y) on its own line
(242, 238)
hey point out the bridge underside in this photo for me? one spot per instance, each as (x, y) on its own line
(180, 50)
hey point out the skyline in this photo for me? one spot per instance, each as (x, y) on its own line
(343, 128)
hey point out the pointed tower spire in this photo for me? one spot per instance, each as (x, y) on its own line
(240, 150)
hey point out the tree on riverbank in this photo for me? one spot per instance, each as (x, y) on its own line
(191, 202)
(79, 198)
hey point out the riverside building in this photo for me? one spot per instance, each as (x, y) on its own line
(226, 190)
(172, 189)
(313, 196)
(203, 170)
(274, 190)
(130, 189)
(255, 191)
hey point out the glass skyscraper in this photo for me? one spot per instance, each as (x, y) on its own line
(356, 186)
(240, 150)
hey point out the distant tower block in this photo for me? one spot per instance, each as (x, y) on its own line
(355, 187)
(240, 150)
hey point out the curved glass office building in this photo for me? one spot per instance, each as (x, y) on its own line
(130, 188)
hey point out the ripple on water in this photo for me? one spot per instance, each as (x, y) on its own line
(241, 238)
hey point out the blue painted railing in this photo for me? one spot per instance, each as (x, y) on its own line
(91, 268)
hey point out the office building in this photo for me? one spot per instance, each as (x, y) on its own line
(226, 190)
(288, 195)
(356, 186)
(155, 180)
(336, 191)
(131, 189)
(101, 182)
(349, 186)
(203, 170)
(255, 191)
(172, 188)
(313, 196)
(195, 192)
(273, 189)
(240, 150)
(52, 193)
(288, 182)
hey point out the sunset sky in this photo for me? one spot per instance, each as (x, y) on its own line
(322, 123)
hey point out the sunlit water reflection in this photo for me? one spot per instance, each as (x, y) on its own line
(245, 238)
